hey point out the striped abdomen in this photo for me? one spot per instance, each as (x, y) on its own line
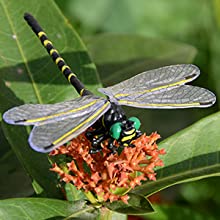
(59, 61)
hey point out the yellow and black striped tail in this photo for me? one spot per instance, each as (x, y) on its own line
(64, 68)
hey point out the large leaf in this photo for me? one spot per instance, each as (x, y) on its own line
(27, 74)
(192, 154)
(120, 56)
(41, 209)
(14, 181)
(137, 205)
(10, 167)
(164, 212)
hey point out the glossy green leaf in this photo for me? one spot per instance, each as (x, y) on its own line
(192, 154)
(137, 205)
(28, 75)
(41, 209)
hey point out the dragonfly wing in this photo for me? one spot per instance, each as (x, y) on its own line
(46, 137)
(152, 80)
(184, 96)
(35, 114)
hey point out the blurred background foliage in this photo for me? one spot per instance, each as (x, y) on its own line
(125, 37)
(134, 36)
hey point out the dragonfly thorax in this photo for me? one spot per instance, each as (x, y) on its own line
(113, 115)
(113, 125)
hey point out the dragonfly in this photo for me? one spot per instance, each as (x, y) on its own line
(56, 124)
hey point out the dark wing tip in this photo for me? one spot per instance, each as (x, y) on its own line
(192, 76)
(49, 147)
(19, 121)
(207, 104)
(46, 149)
(41, 149)
(9, 119)
(210, 102)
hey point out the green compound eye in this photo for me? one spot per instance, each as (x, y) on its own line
(137, 123)
(115, 130)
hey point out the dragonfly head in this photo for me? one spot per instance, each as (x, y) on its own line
(127, 125)
(135, 122)
(131, 123)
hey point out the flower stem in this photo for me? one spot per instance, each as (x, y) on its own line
(91, 197)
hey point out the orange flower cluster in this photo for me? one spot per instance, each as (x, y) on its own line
(103, 173)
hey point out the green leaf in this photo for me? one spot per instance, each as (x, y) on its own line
(120, 56)
(72, 193)
(28, 75)
(192, 154)
(118, 216)
(107, 214)
(14, 181)
(164, 212)
(201, 192)
(215, 52)
(187, 20)
(137, 205)
(41, 209)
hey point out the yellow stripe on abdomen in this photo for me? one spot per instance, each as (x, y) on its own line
(58, 59)
(127, 138)
(41, 33)
(129, 132)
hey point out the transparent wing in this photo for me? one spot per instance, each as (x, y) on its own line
(153, 80)
(184, 96)
(46, 137)
(35, 114)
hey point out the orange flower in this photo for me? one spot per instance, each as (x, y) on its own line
(104, 173)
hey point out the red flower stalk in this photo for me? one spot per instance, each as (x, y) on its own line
(103, 173)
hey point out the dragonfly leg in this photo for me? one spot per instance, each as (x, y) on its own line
(111, 146)
(96, 138)
(95, 150)
(90, 134)
(138, 134)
